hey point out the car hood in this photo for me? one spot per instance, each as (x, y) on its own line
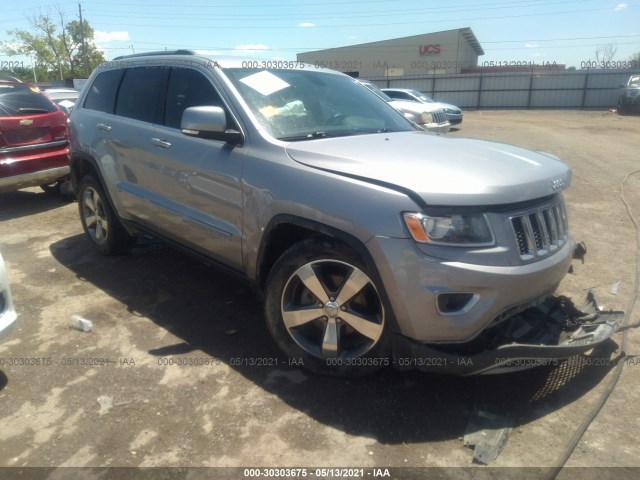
(441, 170)
(446, 105)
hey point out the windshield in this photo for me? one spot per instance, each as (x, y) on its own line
(423, 98)
(376, 89)
(634, 82)
(302, 104)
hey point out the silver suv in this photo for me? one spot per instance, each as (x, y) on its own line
(373, 242)
(630, 96)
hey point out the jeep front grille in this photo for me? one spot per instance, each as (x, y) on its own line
(541, 232)
(439, 117)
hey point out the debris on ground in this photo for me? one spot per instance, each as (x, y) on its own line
(106, 404)
(580, 251)
(81, 324)
(488, 431)
(614, 288)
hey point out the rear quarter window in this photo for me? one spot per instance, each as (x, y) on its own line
(21, 100)
(102, 94)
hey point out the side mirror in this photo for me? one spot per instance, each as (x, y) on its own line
(208, 122)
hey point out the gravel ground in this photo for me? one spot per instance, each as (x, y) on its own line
(170, 336)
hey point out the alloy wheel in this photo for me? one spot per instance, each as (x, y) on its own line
(94, 216)
(331, 309)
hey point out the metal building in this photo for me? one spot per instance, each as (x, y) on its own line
(432, 53)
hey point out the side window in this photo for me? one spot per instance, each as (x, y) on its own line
(406, 96)
(142, 93)
(188, 88)
(102, 94)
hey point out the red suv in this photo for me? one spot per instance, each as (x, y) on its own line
(34, 145)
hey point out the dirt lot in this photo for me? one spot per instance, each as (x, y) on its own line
(157, 308)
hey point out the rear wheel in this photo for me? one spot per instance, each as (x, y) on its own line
(51, 189)
(323, 308)
(99, 221)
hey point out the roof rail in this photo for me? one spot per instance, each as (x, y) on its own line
(161, 52)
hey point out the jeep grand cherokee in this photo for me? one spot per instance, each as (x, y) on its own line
(373, 242)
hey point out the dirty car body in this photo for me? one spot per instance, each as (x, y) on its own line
(373, 242)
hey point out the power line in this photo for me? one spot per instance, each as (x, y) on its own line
(315, 16)
(341, 15)
(352, 26)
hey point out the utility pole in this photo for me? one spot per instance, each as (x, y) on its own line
(33, 68)
(84, 44)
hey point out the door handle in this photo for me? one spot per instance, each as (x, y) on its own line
(160, 143)
(103, 127)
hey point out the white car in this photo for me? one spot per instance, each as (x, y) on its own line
(65, 97)
(430, 117)
(7, 312)
(454, 114)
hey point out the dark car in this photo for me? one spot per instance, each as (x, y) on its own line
(34, 145)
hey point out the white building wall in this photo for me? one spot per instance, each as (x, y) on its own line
(433, 53)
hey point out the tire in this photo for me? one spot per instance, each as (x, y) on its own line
(99, 221)
(621, 109)
(52, 189)
(325, 312)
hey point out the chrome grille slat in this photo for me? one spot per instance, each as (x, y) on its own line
(439, 117)
(544, 234)
(537, 231)
(540, 232)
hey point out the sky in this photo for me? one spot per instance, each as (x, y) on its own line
(562, 31)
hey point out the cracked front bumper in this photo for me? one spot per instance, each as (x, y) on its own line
(548, 348)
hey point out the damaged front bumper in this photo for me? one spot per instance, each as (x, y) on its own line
(544, 335)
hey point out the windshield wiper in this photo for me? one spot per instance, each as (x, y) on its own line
(317, 135)
(305, 136)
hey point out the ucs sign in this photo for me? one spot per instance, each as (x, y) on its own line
(429, 49)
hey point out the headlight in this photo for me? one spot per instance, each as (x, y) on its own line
(425, 117)
(453, 230)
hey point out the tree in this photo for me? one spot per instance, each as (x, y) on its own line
(634, 60)
(56, 47)
(605, 53)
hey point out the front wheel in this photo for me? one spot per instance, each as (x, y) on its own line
(621, 107)
(323, 308)
(99, 221)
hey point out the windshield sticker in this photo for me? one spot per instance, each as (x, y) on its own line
(265, 83)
